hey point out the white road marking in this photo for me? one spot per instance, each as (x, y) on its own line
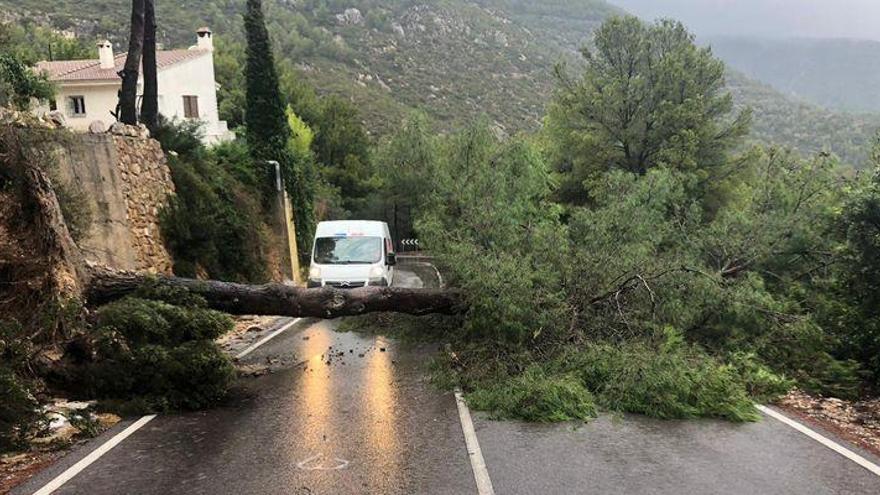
(267, 338)
(439, 277)
(308, 464)
(478, 464)
(840, 449)
(93, 456)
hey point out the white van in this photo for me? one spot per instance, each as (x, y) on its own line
(352, 253)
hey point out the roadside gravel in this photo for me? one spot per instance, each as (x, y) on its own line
(858, 422)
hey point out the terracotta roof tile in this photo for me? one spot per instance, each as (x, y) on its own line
(90, 70)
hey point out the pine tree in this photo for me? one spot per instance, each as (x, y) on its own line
(649, 96)
(268, 131)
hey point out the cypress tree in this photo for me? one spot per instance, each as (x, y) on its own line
(268, 131)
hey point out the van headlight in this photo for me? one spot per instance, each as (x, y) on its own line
(315, 273)
(376, 272)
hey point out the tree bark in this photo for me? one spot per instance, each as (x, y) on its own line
(280, 300)
(128, 94)
(150, 102)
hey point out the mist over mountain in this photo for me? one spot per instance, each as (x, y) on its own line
(824, 52)
(842, 74)
(768, 18)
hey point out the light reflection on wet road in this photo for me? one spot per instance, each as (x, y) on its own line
(381, 422)
(367, 422)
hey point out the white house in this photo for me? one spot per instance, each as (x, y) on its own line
(87, 90)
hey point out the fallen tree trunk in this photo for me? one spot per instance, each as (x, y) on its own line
(277, 299)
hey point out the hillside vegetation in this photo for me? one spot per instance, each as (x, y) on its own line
(455, 59)
(803, 126)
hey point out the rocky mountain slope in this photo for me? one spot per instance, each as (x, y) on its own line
(804, 126)
(455, 59)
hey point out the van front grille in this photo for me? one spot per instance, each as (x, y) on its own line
(345, 285)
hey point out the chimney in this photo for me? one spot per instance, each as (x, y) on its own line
(204, 40)
(105, 54)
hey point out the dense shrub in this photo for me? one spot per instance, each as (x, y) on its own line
(761, 383)
(214, 225)
(200, 374)
(193, 375)
(18, 411)
(19, 416)
(157, 353)
(19, 84)
(182, 137)
(854, 304)
(669, 379)
(488, 226)
(153, 322)
(670, 382)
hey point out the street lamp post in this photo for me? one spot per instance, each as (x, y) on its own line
(289, 226)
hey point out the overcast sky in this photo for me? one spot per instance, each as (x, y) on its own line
(786, 18)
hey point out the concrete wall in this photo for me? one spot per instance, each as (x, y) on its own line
(126, 181)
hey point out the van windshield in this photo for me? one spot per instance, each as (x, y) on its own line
(348, 250)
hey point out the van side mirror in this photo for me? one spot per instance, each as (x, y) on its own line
(390, 259)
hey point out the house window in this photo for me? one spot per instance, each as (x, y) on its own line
(76, 106)
(191, 107)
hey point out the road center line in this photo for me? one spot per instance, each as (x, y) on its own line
(478, 464)
(93, 456)
(267, 338)
(840, 449)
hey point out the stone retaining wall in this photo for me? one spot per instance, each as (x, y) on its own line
(146, 186)
(126, 179)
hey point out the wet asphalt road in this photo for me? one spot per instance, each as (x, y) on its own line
(366, 424)
(369, 423)
(639, 455)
